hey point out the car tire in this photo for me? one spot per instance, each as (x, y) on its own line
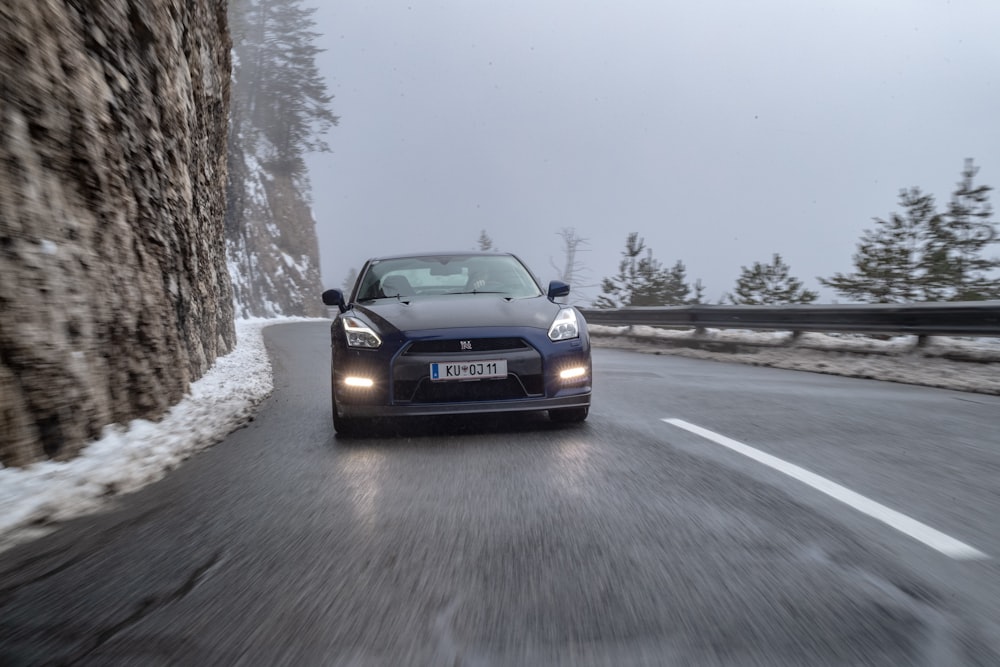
(343, 425)
(569, 415)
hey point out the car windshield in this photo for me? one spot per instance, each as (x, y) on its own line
(436, 275)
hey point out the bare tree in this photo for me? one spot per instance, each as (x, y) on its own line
(572, 271)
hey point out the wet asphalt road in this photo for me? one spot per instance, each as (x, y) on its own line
(513, 541)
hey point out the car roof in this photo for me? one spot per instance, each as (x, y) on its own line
(446, 253)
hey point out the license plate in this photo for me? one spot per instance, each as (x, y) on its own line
(469, 370)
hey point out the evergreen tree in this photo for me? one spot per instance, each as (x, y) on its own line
(674, 288)
(650, 285)
(955, 266)
(642, 280)
(769, 285)
(617, 290)
(485, 243)
(890, 262)
(278, 92)
(925, 255)
(699, 294)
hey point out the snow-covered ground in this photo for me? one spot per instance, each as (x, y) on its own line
(35, 497)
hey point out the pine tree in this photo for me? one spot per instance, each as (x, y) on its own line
(618, 289)
(674, 288)
(485, 243)
(923, 255)
(278, 91)
(642, 280)
(650, 286)
(769, 285)
(955, 266)
(891, 260)
(699, 294)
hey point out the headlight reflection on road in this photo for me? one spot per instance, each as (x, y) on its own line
(363, 473)
(571, 466)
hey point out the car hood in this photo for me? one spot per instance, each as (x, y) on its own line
(460, 311)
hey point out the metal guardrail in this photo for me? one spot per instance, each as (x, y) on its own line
(960, 318)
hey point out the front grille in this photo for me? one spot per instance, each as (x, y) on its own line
(426, 391)
(411, 371)
(476, 345)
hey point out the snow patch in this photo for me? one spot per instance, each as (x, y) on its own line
(971, 365)
(126, 458)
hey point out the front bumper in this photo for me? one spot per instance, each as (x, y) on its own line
(471, 407)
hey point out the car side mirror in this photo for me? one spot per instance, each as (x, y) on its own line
(334, 297)
(558, 288)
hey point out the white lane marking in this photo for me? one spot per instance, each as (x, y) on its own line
(935, 539)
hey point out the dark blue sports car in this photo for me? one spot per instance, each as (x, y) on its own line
(452, 333)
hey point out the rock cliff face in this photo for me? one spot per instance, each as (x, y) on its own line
(271, 235)
(273, 250)
(115, 293)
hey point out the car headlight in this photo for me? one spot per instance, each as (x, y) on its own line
(565, 326)
(359, 334)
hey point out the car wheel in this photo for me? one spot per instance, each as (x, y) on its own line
(344, 425)
(569, 415)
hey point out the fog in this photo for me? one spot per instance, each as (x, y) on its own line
(722, 132)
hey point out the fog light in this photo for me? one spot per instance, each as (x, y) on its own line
(572, 373)
(363, 383)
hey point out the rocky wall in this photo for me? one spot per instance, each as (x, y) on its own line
(114, 291)
(273, 248)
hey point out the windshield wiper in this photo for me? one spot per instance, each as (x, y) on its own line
(477, 291)
(379, 298)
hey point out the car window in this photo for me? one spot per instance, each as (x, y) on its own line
(447, 275)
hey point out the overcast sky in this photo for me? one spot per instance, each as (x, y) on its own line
(721, 131)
